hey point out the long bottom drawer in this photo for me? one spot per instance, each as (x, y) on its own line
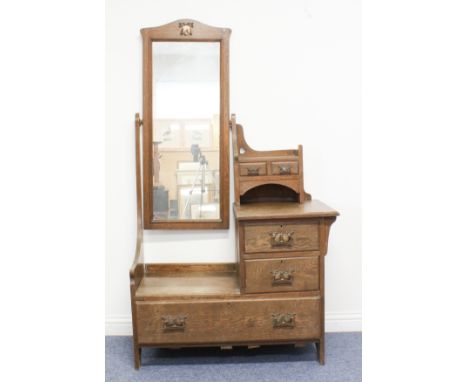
(225, 321)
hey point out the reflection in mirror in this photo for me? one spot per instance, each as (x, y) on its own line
(186, 133)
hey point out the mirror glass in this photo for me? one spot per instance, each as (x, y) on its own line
(186, 130)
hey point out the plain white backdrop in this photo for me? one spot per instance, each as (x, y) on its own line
(294, 79)
(52, 204)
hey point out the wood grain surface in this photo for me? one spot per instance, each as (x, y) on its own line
(227, 321)
(261, 211)
(258, 236)
(259, 274)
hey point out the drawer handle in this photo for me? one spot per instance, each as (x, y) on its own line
(283, 320)
(285, 170)
(174, 322)
(281, 239)
(251, 171)
(281, 277)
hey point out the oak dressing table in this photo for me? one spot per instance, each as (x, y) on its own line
(274, 292)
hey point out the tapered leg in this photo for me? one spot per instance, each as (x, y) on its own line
(137, 355)
(320, 346)
(321, 343)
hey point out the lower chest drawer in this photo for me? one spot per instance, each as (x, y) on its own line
(228, 321)
(282, 275)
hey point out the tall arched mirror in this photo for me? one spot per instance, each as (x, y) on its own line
(185, 126)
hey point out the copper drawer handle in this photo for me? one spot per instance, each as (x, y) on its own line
(281, 239)
(285, 170)
(283, 320)
(282, 277)
(174, 322)
(252, 171)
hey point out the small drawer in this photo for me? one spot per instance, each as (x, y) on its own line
(281, 237)
(228, 321)
(253, 169)
(284, 168)
(282, 275)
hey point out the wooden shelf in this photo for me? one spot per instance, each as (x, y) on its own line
(285, 210)
(188, 281)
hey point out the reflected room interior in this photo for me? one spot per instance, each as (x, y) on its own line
(186, 130)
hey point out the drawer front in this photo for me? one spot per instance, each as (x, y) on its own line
(282, 275)
(253, 169)
(228, 321)
(281, 237)
(284, 168)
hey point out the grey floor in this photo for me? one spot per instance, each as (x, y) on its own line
(266, 364)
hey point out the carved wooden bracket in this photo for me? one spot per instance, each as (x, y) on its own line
(325, 224)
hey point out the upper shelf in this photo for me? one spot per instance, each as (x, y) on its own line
(266, 176)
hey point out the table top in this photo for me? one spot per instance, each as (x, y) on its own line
(278, 210)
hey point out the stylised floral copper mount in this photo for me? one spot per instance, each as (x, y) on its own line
(185, 29)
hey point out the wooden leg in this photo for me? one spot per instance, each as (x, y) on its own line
(321, 343)
(320, 346)
(137, 355)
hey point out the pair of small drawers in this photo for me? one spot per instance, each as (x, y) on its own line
(280, 257)
(269, 168)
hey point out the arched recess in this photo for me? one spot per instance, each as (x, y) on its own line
(269, 192)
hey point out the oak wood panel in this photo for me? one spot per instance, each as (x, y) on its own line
(235, 153)
(262, 211)
(165, 268)
(325, 224)
(278, 255)
(137, 268)
(268, 156)
(258, 236)
(303, 273)
(228, 321)
(188, 283)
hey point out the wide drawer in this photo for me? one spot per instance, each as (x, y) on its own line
(278, 237)
(282, 275)
(253, 169)
(228, 321)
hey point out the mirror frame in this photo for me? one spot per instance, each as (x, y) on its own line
(185, 30)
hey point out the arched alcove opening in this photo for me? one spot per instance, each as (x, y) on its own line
(269, 193)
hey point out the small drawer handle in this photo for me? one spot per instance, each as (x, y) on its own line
(285, 170)
(281, 239)
(283, 320)
(282, 277)
(252, 171)
(174, 322)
